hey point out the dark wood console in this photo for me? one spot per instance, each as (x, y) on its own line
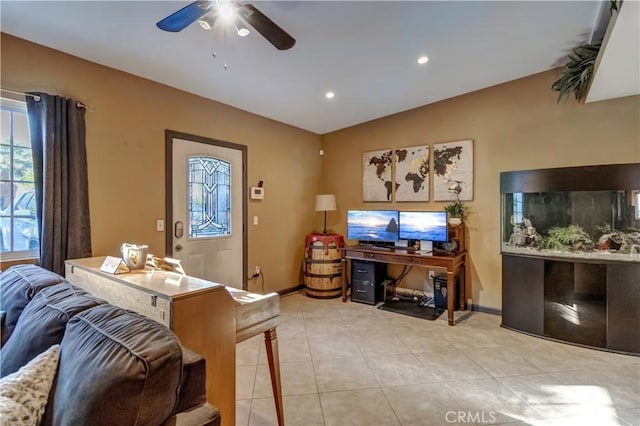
(587, 303)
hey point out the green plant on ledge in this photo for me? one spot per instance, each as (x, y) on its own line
(615, 5)
(578, 72)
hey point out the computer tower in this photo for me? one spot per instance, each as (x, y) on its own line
(440, 291)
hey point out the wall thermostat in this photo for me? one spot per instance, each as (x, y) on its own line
(257, 193)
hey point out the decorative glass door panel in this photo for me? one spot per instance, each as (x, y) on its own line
(209, 197)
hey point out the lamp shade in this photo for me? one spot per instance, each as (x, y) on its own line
(325, 203)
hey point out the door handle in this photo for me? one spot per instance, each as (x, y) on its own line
(178, 230)
(178, 247)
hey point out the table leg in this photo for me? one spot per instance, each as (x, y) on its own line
(451, 295)
(463, 287)
(343, 277)
(271, 343)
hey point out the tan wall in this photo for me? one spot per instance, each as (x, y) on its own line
(125, 149)
(515, 126)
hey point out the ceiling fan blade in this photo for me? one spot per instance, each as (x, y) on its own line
(179, 20)
(266, 27)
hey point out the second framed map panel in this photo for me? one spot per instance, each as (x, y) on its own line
(453, 166)
(412, 173)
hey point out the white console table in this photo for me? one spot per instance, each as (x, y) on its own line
(209, 319)
(201, 313)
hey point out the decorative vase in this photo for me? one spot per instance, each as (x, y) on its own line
(455, 221)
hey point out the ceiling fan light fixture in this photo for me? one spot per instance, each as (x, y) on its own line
(242, 31)
(204, 24)
(226, 10)
(206, 12)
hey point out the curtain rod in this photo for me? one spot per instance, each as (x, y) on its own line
(37, 98)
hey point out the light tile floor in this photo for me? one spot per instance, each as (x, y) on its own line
(352, 364)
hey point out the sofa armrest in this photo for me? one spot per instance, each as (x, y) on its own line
(3, 315)
(193, 386)
(204, 415)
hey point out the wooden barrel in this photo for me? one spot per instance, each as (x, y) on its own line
(323, 265)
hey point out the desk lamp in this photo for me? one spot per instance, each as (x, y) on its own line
(325, 203)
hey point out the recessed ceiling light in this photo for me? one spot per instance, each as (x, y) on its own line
(423, 60)
(329, 95)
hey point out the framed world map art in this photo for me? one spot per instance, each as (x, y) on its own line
(412, 173)
(376, 175)
(453, 166)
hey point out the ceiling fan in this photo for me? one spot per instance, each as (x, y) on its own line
(206, 12)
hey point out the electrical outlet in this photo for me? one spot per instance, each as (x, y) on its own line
(432, 274)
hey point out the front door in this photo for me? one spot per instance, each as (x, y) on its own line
(206, 196)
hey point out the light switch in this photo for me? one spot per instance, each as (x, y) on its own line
(255, 220)
(160, 225)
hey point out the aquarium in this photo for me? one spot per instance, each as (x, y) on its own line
(577, 212)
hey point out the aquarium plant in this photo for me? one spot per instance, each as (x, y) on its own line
(571, 237)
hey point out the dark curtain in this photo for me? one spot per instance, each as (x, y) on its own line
(57, 130)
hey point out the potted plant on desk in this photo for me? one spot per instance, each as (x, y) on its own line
(455, 212)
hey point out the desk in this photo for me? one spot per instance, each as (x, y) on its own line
(452, 263)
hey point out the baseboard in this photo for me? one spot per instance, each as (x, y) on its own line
(291, 290)
(492, 311)
(473, 307)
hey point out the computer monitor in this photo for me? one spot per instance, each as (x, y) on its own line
(372, 226)
(423, 226)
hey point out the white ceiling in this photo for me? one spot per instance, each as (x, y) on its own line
(364, 51)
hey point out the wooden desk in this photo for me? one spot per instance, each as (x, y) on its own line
(201, 313)
(452, 263)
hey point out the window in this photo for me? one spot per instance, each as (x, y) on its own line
(517, 208)
(209, 190)
(19, 237)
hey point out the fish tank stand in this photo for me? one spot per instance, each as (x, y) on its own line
(571, 254)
